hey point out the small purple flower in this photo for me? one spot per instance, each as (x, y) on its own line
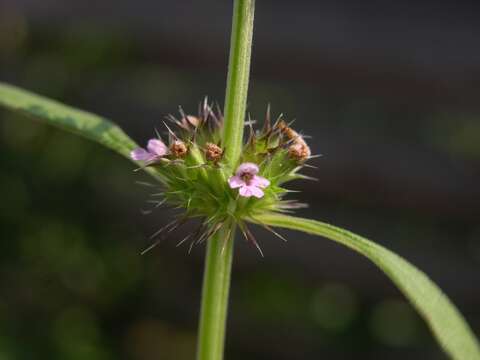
(248, 181)
(155, 150)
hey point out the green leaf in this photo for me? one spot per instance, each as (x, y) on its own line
(67, 118)
(88, 125)
(445, 321)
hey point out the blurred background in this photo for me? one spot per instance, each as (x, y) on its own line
(389, 91)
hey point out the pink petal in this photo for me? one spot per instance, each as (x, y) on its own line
(247, 168)
(248, 191)
(157, 147)
(245, 191)
(140, 154)
(235, 182)
(259, 181)
(256, 191)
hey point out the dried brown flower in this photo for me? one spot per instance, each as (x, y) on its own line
(299, 150)
(288, 131)
(213, 152)
(178, 149)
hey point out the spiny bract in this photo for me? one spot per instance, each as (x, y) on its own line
(196, 177)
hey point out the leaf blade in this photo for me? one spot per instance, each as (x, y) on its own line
(76, 121)
(80, 122)
(443, 318)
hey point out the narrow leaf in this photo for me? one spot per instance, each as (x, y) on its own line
(445, 321)
(67, 118)
(88, 125)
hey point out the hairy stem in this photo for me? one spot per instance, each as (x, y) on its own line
(216, 285)
(237, 81)
(218, 262)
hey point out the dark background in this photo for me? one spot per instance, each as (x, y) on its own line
(389, 90)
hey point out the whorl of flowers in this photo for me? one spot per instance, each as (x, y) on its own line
(195, 176)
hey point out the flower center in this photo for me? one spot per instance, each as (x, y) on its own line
(247, 177)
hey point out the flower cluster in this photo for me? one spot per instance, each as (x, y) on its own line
(194, 175)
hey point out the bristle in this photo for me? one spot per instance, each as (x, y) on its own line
(217, 119)
(205, 108)
(144, 183)
(252, 138)
(254, 241)
(208, 234)
(249, 237)
(157, 203)
(157, 194)
(199, 231)
(292, 204)
(154, 244)
(195, 237)
(291, 122)
(219, 110)
(151, 247)
(306, 177)
(175, 121)
(226, 239)
(279, 118)
(170, 131)
(191, 247)
(171, 118)
(173, 225)
(181, 112)
(267, 123)
(158, 232)
(274, 232)
(183, 240)
(179, 223)
(157, 133)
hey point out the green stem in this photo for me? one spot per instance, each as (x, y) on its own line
(238, 76)
(216, 285)
(218, 261)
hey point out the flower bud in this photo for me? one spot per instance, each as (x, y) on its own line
(213, 152)
(299, 150)
(178, 149)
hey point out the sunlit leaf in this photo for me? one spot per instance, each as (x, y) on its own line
(88, 125)
(445, 321)
(65, 117)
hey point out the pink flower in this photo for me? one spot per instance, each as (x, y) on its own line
(248, 181)
(155, 150)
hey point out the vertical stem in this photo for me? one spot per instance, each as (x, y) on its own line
(237, 81)
(216, 285)
(218, 261)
